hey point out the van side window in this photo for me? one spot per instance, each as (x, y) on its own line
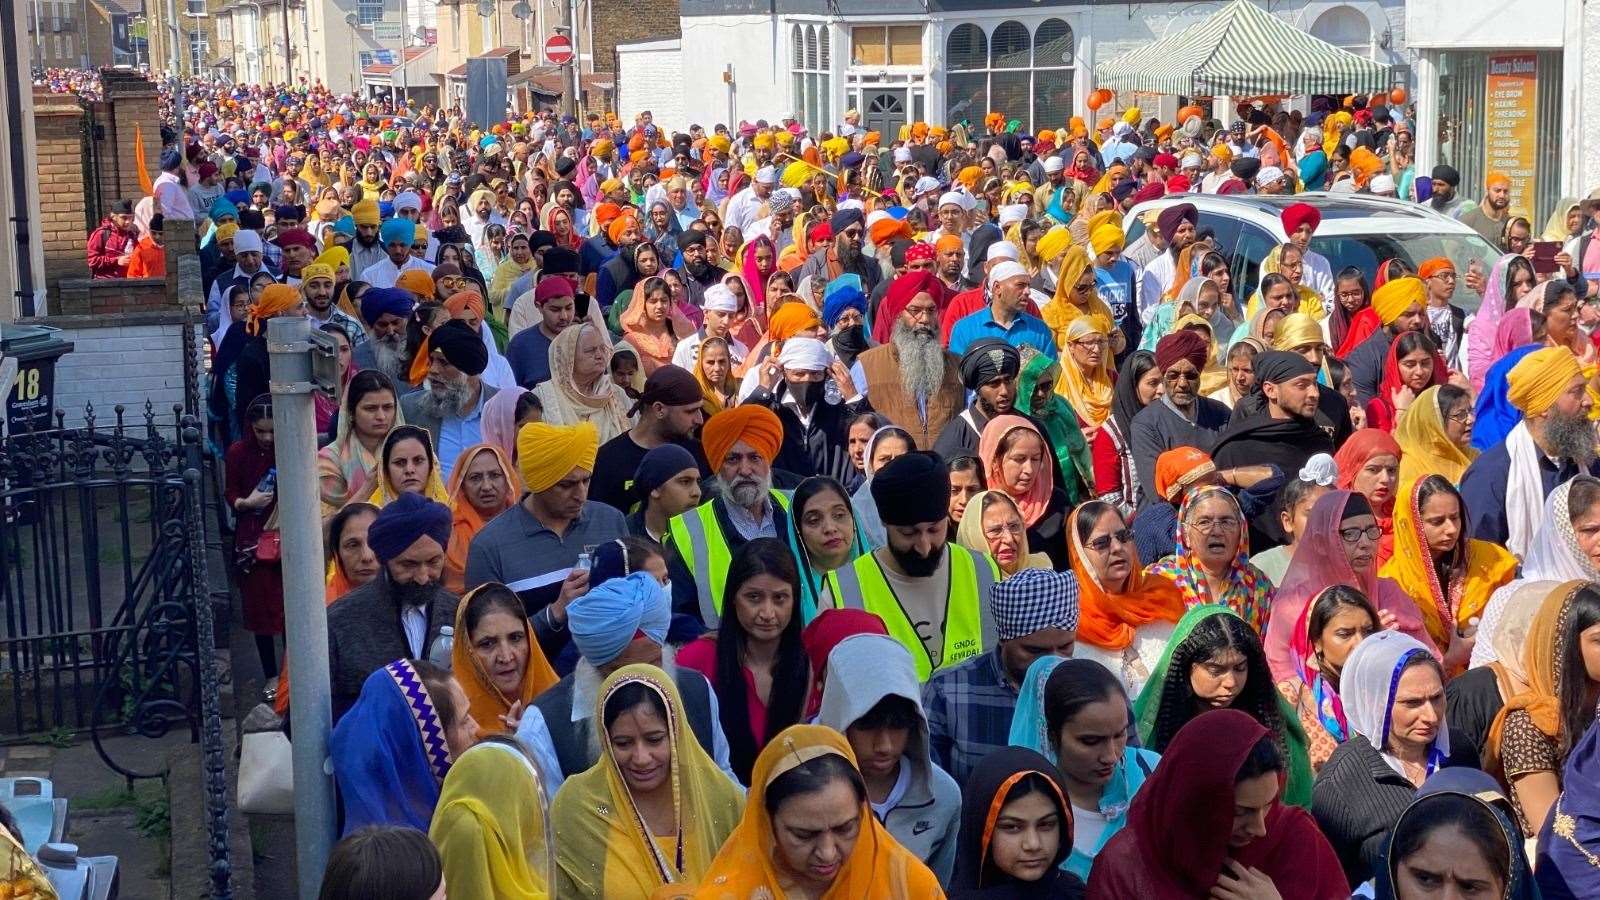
(1253, 247)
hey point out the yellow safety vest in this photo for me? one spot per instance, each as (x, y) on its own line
(862, 585)
(698, 539)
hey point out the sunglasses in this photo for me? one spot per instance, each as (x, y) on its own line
(1103, 543)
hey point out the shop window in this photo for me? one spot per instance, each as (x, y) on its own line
(886, 45)
(1021, 75)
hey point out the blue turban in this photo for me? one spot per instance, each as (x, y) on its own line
(385, 209)
(402, 231)
(844, 218)
(842, 293)
(237, 197)
(378, 301)
(346, 226)
(170, 159)
(408, 518)
(604, 621)
(222, 206)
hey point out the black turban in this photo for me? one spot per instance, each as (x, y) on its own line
(987, 360)
(406, 519)
(691, 237)
(1278, 366)
(461, 346)
(912, 489)
(1245, 168)
(559, 261)
(670, 386)
(1170, 218)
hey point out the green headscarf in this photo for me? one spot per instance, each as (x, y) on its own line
(1060, 425)
(1292, 738)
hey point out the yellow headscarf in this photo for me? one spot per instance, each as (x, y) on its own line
(970, 534)
(1061, 311)
(1090, 393)
(1444, 607)
(490, 825)
(1297, 330)
(1555, 228)
(1310, 300)
(879, 869)
(1213, 377)
(381, 491)
(1539, 379)
(1428, 450)
(602, 848)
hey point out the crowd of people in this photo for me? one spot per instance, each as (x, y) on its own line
(745, 512)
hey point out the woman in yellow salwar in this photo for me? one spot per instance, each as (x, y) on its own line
(1286, 260)
(653, 810)
(492, 825)
(807, 831)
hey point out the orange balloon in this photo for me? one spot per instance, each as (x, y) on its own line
(1106, 96)
(1094, 102)
(1398, 96)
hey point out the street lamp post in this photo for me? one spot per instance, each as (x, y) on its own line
(354, 21)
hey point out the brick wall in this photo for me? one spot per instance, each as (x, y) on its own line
(110, 296)
(621, 21)
(63, 221)
(125, 358)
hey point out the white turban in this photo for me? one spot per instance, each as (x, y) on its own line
(766, 175)
(720, 299)
(246, 242)
(805, 354)
(1003, 250)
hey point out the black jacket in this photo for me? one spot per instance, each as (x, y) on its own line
(818, 447)
(365, 634)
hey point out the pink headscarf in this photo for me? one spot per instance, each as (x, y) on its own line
(500, 420)
(1319, 561)
(1036, 501)
(755, 282)
(1481, 331)
(1516, 329)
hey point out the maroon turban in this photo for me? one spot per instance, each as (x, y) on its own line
(1167, 223)
(1184, 344)
(1150, 191)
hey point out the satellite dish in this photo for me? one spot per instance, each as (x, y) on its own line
(522, 10)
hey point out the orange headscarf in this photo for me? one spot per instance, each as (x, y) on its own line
(466, 520)
(879, 868)
(485, 700)
(417, 282)
(1543, 652)
(1108, 619)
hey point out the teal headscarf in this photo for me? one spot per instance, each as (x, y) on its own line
(812, 578)
(1060, 426)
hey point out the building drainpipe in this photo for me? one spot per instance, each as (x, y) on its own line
(20, 171)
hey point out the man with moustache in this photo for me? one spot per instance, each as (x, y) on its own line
(740, 444)
(317, 284)
(697, 271)
(385, 312)
(912, 380)
(1399, 305)
(843, 255)
(1180, 417)
(366, 250)
(450, 405)
(1177, 226)
(1285, 428)
(932, 595)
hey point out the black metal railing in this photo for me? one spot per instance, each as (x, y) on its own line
(106, 615)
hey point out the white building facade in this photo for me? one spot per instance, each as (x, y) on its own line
(944, 61)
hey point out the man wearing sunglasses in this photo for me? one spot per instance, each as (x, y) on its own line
(843, 255)
(1180, 417)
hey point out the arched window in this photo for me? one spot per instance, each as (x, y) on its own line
(1024, 76)
(812, 100)
(1345, 28)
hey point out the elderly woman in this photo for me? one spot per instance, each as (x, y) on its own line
(995, 526)
(483, 484)
(580, 388)
(1126, 614)
(1211, 563)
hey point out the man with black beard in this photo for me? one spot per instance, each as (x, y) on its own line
(366, 250)
(816, 426)
(1177, 225)
(450, 405)
(398, 614)
(385, 312)
(317, 284)
(989, 371)
(1504, 489)
(931, 594)
(912, 380)
(698, 272)
(843, 255)
(1445, 197)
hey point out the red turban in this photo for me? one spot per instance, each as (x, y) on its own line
(752, 423)
(1296, 214)
(1150, 191)
(899, 296)
(1180, 345)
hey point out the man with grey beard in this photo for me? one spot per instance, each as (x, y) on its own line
(912, 380)
(740, 444)
(1504, 489)
(385, 312)
(450, 406)
(843, 255)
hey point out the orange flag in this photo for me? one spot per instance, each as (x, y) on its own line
(145, 183)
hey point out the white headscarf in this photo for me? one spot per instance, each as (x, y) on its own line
(1367, 687)
(1553, 553)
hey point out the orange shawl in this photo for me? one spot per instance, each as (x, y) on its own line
(466, 520)
(485, 700)
(1542, 653)
(1108, 620)
(1444, 607)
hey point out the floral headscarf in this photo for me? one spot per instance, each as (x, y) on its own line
(1249, 591)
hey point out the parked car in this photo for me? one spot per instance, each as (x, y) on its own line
(1356, 230)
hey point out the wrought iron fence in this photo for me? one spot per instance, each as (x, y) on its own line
(106, 617)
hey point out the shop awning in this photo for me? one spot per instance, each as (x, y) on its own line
(1242, 51)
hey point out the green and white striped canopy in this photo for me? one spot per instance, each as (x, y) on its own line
(1242, 51)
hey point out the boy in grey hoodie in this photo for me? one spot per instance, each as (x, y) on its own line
(873, 699)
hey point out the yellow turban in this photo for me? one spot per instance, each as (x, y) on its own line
(836, 147)
(333, 258)
(786, 138)
(719, 143)
(546, 453)
(365, 212)
(1131, 115)
(603, 147)
(422, 233)
(765, 141)
(1396, 296)
(1106, 237)
(226, 231)
(1054, 243)
(937, 132)
(316, 270)
(1297, 330)
(1541, 378)
(1221, 151)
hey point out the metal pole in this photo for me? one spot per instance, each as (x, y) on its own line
(405, 41)
(569, 17)
(294, 428)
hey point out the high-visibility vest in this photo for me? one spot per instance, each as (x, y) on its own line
(698, 539)
(862, 585)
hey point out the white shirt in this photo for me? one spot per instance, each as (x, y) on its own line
(687, 353)
(415, 622)
(743, 210)
(384, 273)
(1317, 274)
(174, 200)
(1154, 282)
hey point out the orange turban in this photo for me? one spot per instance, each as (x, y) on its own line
(605, 212)
(969, 176)
(417, 282)
(887, 229)
(947, 242)
(275, 299)
(872, 139)
(1495, 179)
(791, 319)
(461, 301)
(1434, 266)
(752, 423)
(1180, 468)
(1365, 164)
(919, 131)
(618, 225)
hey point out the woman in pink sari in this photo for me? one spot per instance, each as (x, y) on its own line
(759, 261)
(1509, 281)
(1326, 556)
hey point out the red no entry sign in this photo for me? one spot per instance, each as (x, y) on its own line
(558, 49)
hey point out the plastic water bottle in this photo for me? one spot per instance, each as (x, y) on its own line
(442, 647)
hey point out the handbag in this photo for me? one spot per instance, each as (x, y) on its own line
(266, 766)
(269, 547)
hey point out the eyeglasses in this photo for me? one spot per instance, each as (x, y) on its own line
(1465, 417)
(1211, 526)
(1351, 535)
(1094, 343)
(1445, 276)
(1103, 543)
